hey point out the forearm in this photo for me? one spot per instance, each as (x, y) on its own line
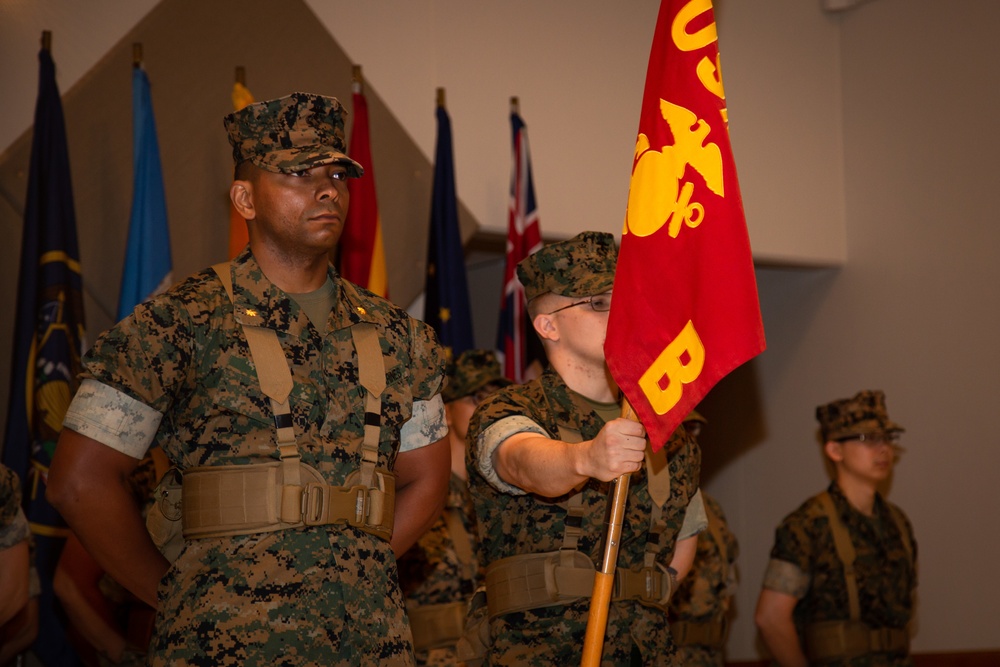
(777, 628)
(19, 633)
(533, 463)
(88, 485)
(13, 580)
(421, 492)
(684, 553)
(90, 622)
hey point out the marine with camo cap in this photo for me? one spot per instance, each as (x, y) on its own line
(303, 412)
(541, 456)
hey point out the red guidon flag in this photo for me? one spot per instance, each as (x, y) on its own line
(685, 310)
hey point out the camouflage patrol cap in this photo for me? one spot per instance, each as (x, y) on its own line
(582, 266)
(291, 134)
(470, 372)
(865, 413)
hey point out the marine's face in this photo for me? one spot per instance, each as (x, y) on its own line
(870, 457)
(582, 328)
(303, 211)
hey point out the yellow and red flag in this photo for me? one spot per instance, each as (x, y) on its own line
(362, 253)
(238, 236)
(685, 310)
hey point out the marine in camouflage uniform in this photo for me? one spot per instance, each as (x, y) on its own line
(435, 574)
(700, 607)
(15, 536)
(514, 522)
(806, 570)
(179, 373)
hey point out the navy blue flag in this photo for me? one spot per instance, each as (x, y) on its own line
(49, 339)
(147, 259)
(446, 304)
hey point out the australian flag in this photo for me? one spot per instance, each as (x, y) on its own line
(49, 339)
(446, 296)
(516, 342)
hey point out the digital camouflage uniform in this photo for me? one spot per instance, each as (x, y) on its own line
(705, 594)
(431, 572)
(805, 562)
(13, 524)
(320, 595)
(513, 523)
(810, 570)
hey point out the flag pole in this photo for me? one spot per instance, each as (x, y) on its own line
(604, 579)
(440, 98)
(47, 40)
(137, 54)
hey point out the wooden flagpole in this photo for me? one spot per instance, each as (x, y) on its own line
(604, 579)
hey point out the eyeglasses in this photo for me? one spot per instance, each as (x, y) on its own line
(600, 304)
(875, 439)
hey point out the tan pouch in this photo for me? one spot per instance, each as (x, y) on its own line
(475, 639)
(163, 520)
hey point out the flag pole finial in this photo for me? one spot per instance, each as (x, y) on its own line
(137, 54)
(440, 97)
(514, 105)
(47, 40)
(241, 75)
(357, 81)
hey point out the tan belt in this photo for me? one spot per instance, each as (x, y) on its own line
(849, 639)
(704, 633)
(436, 625)
(533, 581)
(246, 499)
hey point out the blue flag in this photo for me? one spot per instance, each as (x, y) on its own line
(48, 341)
(446, 305)
(147, 258)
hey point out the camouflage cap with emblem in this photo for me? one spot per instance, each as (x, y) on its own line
(849, 417)
(470, 372)
(581, 266)
(291, 134)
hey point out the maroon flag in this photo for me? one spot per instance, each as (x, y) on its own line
(685, 310)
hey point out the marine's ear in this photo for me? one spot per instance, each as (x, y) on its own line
(241, 194)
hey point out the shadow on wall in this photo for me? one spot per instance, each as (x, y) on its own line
(735, 413)
(790, 298)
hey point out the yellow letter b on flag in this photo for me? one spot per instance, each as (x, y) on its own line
(680, 363)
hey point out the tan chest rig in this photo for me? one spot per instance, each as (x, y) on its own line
(532, 581)
(829, 640)
(288, 494)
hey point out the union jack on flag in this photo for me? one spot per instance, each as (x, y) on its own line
(523, 238)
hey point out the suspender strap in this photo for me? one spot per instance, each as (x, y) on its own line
(845, 551)
(460, 540)
(369, 504)
(371, 371)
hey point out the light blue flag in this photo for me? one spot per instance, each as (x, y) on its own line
(147, 258)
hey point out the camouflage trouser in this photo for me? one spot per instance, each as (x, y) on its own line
(285, 599)
(554, 636)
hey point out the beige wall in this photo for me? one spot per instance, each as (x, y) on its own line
(859, 143)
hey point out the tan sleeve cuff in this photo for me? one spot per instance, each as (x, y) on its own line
(425, 426)
(492, 438)
(112, 418)
(787, 578)
(695, 517)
